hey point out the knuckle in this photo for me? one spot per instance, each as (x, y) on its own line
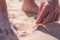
(46, 5)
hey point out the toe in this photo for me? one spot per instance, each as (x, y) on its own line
(12, 32)
(15, 27)
(4, 31)
(0, 31)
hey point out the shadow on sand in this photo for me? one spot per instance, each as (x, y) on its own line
(52, 29)
(30, 14)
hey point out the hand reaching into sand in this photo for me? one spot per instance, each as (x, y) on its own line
(5, 25)
(48, 10)
(48, 13)
(7, 28)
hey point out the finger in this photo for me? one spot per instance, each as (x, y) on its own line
(57, 12)
(42, 14)
(16, 27)
(56, 17)
(48, 19)
(10, 31)
(41, 6)
(5, 31)
(0, 31)
(13, 30)
(51, 16)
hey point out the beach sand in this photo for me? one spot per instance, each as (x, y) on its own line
(25, 22)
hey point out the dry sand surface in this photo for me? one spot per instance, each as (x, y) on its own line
(25, 22)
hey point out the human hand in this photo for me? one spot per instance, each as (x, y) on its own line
(49, 13)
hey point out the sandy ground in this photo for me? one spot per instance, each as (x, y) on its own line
(25, 22)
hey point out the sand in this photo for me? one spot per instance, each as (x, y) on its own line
(25, 22)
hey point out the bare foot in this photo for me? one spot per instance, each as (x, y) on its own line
(30, 6)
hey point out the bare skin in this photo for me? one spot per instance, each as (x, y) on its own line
(5, 25)
(47, 8)
(48, 12)
(43, 17)
(30, 6)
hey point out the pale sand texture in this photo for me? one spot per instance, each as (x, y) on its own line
(25, 22)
